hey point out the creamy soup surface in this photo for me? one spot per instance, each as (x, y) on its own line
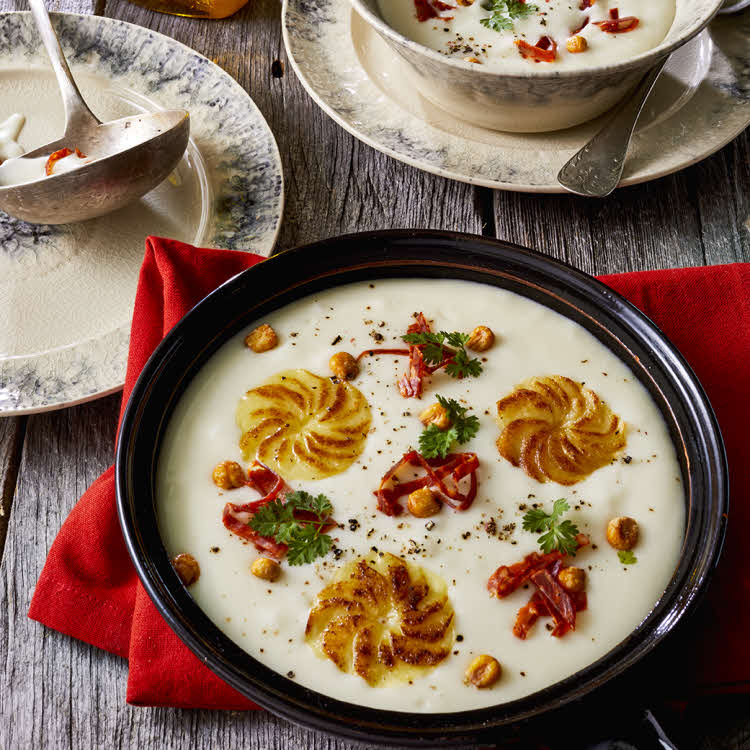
(268, 619)
(16, 171)
(461, 32)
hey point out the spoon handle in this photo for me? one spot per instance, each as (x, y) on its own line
(596, 169)
(77, 114)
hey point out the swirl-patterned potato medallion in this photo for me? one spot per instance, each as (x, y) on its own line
(303, 426)
(383, 619)
(557, 430)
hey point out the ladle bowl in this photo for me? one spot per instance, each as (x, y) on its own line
(127, 157)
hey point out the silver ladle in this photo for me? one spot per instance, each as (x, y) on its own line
(130, 156)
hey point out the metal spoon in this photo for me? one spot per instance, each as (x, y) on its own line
(130, 156)
(596, 169)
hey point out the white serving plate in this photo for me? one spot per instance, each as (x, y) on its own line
(701, 102)
(67, 292)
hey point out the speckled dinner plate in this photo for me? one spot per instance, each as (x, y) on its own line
(66, 292)
(700, 103)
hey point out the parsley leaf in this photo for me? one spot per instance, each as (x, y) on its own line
(436, 346)
(432, 344)
(536, 520)
(555, 534)
(308, 545)
(304, 539)
(627, 557)
(562, 537)
(455, 339)
(466, 427)
(434, 442)
(433, 353)
(272, 519)
(320, 505)
(462, 365)
(418, 339)
(504, 12)
(519, 9)
(497, 22)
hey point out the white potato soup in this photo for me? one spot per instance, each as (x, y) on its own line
(16, 171)
(420, 495)
(560, 33)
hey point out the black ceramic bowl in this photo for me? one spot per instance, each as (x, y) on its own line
(296, 273)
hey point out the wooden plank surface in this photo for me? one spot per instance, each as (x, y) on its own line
(11, 442)
(333, 183)
(60, 693)
(697, 216)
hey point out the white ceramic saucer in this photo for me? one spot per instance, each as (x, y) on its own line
(700, 103)
(66, 292)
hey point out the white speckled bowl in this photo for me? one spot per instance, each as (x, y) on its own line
(531, 100)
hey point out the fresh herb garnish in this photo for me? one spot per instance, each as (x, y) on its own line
(560, 535)
(462, 365)
(497, 22)
(436, 347)
(304, 539)
(434, 442)
(505, 12)
(627, 557)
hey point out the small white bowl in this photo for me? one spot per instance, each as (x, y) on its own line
(533, 100)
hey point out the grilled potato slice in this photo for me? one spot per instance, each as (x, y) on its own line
(557, 430)
(303, 426)
(384, 619)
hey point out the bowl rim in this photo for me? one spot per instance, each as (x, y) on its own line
(645, 60)
(360, 254)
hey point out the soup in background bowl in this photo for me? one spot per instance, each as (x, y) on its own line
(528, 66)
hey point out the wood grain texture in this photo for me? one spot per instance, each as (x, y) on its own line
(59, 693)
(333, 183)
(11, 441)
(44, 674)
(684, 219)
(725, 213)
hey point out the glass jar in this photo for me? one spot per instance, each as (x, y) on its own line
(194, 8)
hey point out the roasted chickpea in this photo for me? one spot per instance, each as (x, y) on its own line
(572, 579)
(265, 568)
(437, 415)
(481, 339)
(483, 672)
(622, 532)
(343, 366)
(577, 44)
(422, 503)
(228, 475)
(262, 339)
(187, 568)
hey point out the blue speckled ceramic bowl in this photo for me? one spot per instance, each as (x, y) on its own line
(226, 192)
(531, 100)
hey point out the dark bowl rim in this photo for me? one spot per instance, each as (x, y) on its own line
(290, 700)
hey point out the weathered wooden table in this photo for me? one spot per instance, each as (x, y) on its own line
(58, 693)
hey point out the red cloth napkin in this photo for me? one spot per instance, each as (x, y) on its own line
(89, 589)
